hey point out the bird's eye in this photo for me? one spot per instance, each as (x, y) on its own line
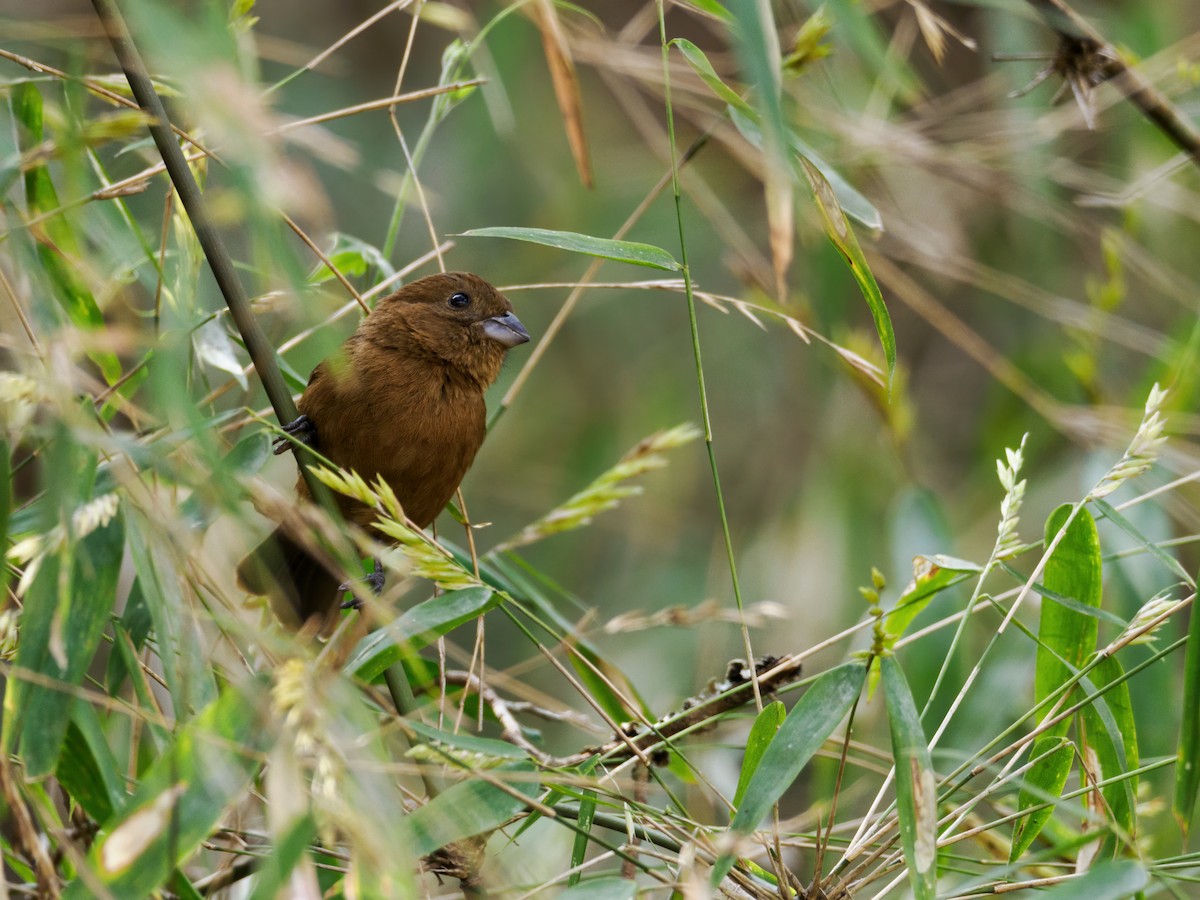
(460, 300)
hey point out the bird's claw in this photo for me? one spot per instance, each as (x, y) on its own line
(300, 429)
(375, 580)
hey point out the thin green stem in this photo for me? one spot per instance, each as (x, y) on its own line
(706, 418)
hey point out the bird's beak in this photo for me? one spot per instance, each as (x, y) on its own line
(505, 330)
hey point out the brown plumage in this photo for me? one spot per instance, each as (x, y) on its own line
(403, 399)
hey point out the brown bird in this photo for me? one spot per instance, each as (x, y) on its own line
(402, 399)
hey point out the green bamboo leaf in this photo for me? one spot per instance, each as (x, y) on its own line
(916, 792)
(1113, 880)
(271, 878)
(853, 203)
(619, 251)
(931, 576)
(1044, 782)
(713, 8)
(87, 769)
(766, 724)
(417, 628)
(1187, 752)
(57, 242)
(64, 615)
(487, 748)
(579, 848)
(353, 257)
(468, 808)
(189, 677)
(180, 800)
(5, 505)
(1067, 638)
(842, 235)
(1108, 729)
(1172, 564)
(701, 66)
(826, 702)
(609, 887)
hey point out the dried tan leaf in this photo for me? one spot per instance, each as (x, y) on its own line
(566, 84)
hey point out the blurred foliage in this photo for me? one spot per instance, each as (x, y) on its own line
(882, 273)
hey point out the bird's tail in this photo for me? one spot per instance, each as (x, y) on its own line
(298, 585)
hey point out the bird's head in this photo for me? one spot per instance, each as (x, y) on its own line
(455, 317)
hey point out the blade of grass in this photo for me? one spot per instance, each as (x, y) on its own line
(916, 793)
(1187, 752)
(825, 703)
(619, 251)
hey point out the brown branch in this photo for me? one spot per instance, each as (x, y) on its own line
(1073, 28)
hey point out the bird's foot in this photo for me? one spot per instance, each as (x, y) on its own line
(375, 580)
(300, 429)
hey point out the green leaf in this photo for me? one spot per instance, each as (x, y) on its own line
(487, 747)
(1108, 729)
(189, 678)
(826, 702)
(1172, 564)
(712, 7)
(931, 576)
(468, 808)
(1067, 638)
(916, 792)
(5, 506)
(607, 888)
(64, 615)
(181, 799)
(87, 769)
(272, 876)
(702, 67)
(620, 251)
(842, 235)
(56, 240)
(352, 257)
(587, 815)
(1187, 752)
(1113, 880)
(417, 628)
(853, 203)
(1043, 783)
(766, 724)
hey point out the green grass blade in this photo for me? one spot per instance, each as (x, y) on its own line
(271, 878)
(1109, 730)
(825, 703)
(5, 505)
(931, 576)
(916, 792)
(1066, 638)
(60, 243)
(619, 251)
(838, 229)
(87, 769)
(417, 628)
(64, 615)
(1187, 751)
(766, 724)
(180, 800)
(587, 815)
(1172, 564)
(468, 743)
(1044, 782)
(697, 59)
(466, 809)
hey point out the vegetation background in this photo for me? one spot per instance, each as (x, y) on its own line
(161, 733)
